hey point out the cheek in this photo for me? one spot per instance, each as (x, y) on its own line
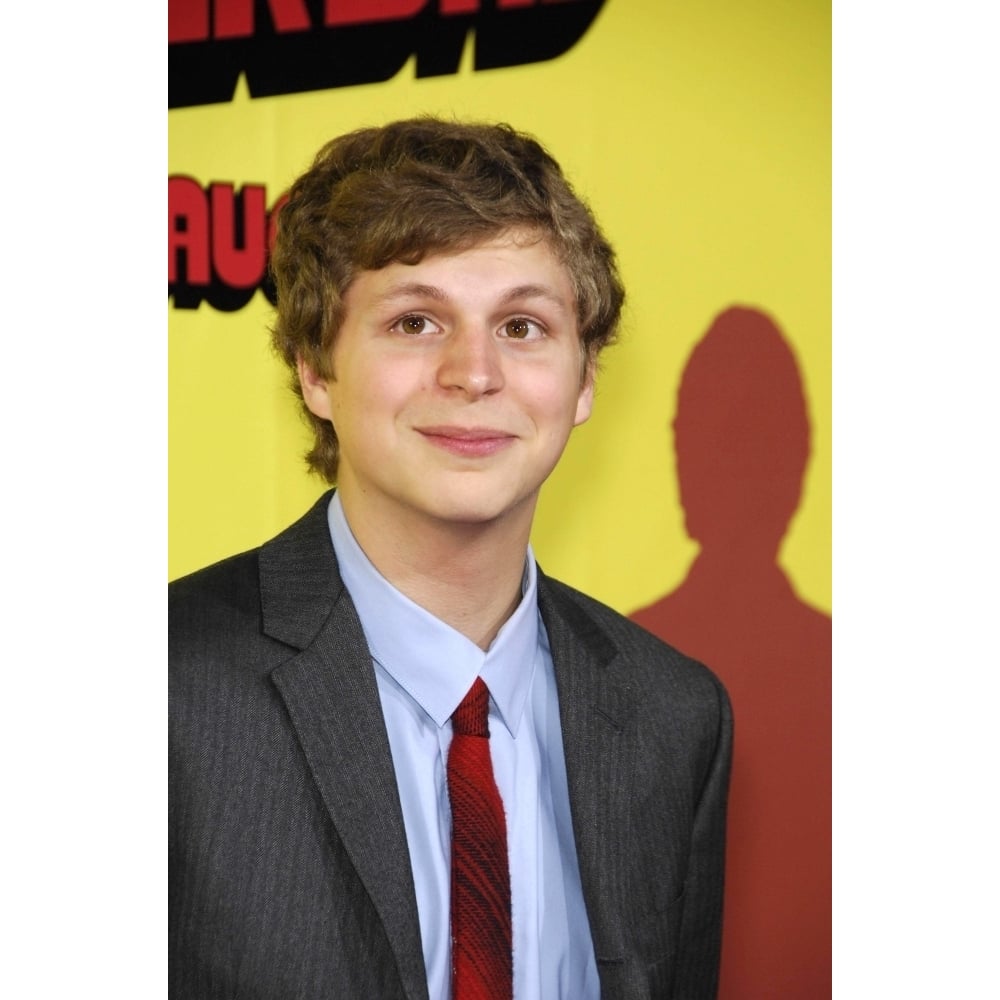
(556, 409)
(392, 383)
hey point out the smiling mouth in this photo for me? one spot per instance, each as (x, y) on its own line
(472, 442)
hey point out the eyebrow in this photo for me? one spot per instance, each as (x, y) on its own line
(532, 292)
(412, 289)
(415, 289)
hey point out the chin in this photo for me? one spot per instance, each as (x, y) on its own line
(477, 510)
(471, 514)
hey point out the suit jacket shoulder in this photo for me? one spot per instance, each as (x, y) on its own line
(285, 587)
(214, 605)
(651, 664)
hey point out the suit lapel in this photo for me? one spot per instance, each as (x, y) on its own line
(599, 746)
(332, 698)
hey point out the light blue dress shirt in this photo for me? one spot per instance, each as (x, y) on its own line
(424, 668)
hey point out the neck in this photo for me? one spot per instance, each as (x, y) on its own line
(466, 574)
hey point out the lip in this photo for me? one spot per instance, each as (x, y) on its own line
(473, 442)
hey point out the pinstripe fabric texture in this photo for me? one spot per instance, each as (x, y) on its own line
(482, 961)
(290, 875)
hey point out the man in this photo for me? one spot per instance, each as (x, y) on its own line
(442, 300)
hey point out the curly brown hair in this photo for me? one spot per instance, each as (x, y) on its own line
(412, 188)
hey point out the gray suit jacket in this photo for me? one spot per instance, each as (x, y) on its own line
(289, 870)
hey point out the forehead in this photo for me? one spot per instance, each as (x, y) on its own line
(517, 264)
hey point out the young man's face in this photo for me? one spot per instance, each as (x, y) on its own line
(456, 383)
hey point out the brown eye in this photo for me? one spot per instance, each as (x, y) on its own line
(518, 328)
(413, 324)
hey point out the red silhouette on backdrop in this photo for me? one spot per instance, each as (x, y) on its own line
(742, 441)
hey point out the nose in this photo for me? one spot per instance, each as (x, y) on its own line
(470, 362)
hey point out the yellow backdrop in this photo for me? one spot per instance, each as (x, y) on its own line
(700, 134)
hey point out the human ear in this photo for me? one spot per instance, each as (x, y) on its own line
(315, 390)
(585, 400)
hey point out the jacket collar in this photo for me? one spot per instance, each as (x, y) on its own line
(299, 579)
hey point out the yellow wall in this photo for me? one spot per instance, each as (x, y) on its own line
(700, 134)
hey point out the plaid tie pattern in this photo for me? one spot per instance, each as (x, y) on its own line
(482, 962)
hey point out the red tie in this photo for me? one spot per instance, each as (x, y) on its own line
(481, 955)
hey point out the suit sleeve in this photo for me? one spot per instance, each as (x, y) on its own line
(697, 972)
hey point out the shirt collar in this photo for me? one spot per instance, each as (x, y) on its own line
(431, 661)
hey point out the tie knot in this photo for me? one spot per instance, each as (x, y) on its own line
(470, 718)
